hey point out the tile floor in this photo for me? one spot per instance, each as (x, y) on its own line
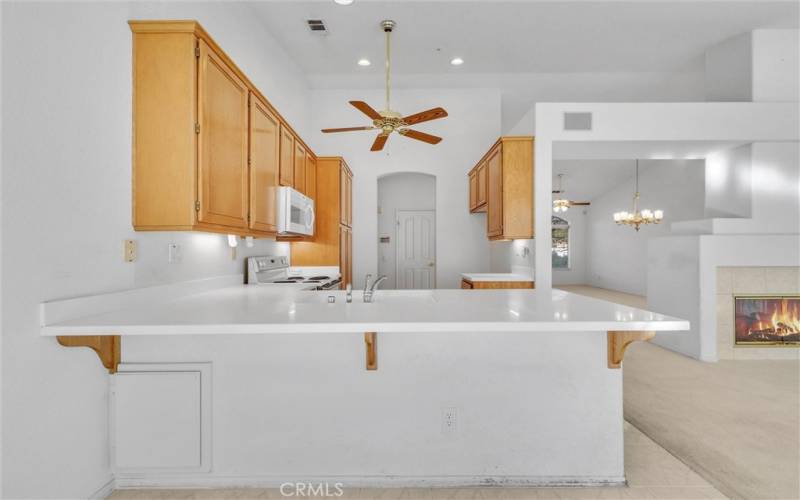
(651, 471)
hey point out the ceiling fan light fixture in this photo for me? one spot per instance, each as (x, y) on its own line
(456, 61)
(364, 62)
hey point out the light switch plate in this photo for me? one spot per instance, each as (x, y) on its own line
(130, 250)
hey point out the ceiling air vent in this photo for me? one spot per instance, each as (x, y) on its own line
(317, 26)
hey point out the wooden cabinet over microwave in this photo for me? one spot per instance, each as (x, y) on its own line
(208, 147)
(332, 244)
(501, 184)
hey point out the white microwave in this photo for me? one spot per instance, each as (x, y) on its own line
(295, 212)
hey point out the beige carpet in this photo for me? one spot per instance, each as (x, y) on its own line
(737, 423)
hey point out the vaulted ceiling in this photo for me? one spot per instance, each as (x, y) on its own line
(512, 37)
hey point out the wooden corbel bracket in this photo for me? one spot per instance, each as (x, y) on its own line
(619, 341)
(371, 341)
(107, 347)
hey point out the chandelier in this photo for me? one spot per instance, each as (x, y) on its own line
(638, 217)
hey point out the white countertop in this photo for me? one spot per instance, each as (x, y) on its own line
(252, 309)
(496, 277)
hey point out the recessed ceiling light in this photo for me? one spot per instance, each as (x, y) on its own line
(343, 2)
(364, 62)
(456, 61)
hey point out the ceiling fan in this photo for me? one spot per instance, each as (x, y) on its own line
(561, 204)
(388, 120)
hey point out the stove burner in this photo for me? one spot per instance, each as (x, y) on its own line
(285, 281)
(295, 278)
(318, 278)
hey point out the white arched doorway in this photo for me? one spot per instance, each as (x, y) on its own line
(407, 230)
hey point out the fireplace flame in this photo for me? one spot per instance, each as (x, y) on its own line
(785, 320)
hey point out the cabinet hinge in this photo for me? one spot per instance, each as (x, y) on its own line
(197, 205)
(196, 128)
(197, 51)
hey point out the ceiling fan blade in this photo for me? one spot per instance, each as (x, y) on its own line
(348, 129)
(425, 116)
(366, 109)
(380, 141)
(576, 203)
(420, 136)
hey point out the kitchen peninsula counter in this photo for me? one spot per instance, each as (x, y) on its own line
(243, 309)
(532, 376)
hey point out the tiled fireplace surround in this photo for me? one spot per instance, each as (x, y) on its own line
(732, 281)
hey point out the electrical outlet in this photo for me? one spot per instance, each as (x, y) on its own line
(449, 420)
(174, 253)
(130, 250)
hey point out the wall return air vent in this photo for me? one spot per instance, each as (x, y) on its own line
(578, 121)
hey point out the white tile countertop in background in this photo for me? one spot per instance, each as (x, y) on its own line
(252, 309)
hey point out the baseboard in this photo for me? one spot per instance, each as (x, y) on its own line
(212, 481)
(104, 491)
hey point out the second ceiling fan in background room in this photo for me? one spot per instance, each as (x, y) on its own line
(561, 204)
(388, 120)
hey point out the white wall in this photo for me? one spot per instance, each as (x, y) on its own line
(618, 254)
(470, 129)
(578, 218)
(729, 69)
(402, 191)
(776, 65)
(66, 210)
(762, 65)
(728, 183)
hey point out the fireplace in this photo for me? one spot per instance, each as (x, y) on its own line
(767, 320)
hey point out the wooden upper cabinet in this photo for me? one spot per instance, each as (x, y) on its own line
(264, 159)
(473, 190)
(300, 167)
(494, 167)
(346, 197)
(311, 177)
(478, 188)
(332, 241)
(286, 169)
(208, 148)
(502, 185)
(222, 112)
(482, 186)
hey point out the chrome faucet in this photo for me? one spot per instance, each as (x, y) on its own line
(349, 293)
(370, 291)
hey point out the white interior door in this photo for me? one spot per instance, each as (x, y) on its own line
(416, 249)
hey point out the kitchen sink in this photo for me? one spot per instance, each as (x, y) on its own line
(380, 296)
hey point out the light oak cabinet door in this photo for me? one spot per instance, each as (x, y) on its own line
(300, 167)
(311, 177)
(222, 146)
(264, 160)
(473, 190)
(346, 255)
(481, 185)
(349, 200)
(346, 198)
(286, 168)
(494, 167)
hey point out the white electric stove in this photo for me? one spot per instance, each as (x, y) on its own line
(275, 271)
